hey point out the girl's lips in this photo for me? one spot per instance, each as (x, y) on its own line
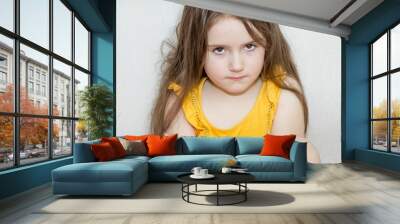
(236, 77)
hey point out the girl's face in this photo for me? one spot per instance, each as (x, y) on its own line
(233, 59)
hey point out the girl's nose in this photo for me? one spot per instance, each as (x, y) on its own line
(236, 63)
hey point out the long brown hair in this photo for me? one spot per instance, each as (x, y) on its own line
(184, 62)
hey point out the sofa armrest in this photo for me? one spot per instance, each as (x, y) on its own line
(298, 155)
(83, 152)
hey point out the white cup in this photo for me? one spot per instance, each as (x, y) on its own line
(226, 170)
(196, 170)
(203, 172)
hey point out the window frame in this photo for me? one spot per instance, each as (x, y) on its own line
(16, 115)
(388, 74)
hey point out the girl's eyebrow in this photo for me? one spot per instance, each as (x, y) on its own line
(223, 45)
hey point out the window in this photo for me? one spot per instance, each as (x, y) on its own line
(30, 87)
(30, 72)
(81, 45)
(62, 140)
(38, 89)
(3, 72)
(7, 143)
(81, 81)
(7, 88)
(37, 74)
(55, 126)
(3, 78)
(7, 14)
(3, 61)
(43, 90)
(62, 75)
(34, 21)
(62, 29)
(385, 91)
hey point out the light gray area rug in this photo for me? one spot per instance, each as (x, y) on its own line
(166, 198)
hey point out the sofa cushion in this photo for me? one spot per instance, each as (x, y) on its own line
(249, 145)
(116, 145)
(190, 145)
(185, 163)
(111, 171)
(161, 145)
(131, 158)
(103, 152)
(277, 145)
(257, 163)
(134, 147)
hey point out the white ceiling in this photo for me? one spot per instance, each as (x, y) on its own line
(321, 9)
(316, 15)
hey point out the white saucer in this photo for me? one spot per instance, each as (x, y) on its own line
(208, 176)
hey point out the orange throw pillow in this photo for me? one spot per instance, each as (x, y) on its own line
(103, 151)
(161, 145)
(277, 145)
(116, 145)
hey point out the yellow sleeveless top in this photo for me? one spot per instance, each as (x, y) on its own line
(256, 123)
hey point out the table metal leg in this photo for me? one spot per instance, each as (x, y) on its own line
(245, 193)
(182, 190)
(188, 190)
(217, 194)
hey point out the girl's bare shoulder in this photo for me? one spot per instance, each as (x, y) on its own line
(179, 124)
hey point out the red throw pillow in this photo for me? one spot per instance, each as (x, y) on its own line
(161, 145)
(103, 151)
(116, 145)
(277, 145)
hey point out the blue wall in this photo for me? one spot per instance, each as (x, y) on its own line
(99, 15)
(103, 52)
(24, 178)
(355, 79)
(102, 62)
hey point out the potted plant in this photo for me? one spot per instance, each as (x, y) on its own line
(96, 102)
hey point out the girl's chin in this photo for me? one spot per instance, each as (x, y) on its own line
(235, 91)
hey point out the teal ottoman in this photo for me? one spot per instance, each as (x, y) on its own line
(118, 177)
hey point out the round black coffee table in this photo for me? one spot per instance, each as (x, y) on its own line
(238, 179)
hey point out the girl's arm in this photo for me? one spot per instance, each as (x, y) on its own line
(179, 125)
(289, 119)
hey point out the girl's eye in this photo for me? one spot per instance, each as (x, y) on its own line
(250, 46)
(218, 50)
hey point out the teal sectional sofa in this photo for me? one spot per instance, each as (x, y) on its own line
(125, 176)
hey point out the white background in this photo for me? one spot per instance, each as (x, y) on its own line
(143, 25)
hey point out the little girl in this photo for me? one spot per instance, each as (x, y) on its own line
(229, 76)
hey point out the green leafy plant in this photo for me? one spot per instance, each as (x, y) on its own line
(96, 102)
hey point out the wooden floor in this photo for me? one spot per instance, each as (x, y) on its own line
(378, 188)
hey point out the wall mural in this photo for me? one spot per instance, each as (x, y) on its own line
(229, 76)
